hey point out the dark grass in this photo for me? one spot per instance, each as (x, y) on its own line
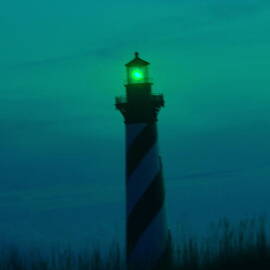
(227, 247)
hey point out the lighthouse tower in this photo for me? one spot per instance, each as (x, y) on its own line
(147, 237)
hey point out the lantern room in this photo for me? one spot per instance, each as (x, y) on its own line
(137, 71)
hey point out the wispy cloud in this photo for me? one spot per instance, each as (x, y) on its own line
(185, 20)
(62, 196)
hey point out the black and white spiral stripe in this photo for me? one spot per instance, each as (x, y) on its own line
(147, 232)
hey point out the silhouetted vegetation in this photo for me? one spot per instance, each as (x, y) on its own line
(245, 246)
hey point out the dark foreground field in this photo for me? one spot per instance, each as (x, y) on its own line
(245, 246)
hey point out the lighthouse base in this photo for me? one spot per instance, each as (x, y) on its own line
(153, 261)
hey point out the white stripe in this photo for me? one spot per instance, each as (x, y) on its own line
(152, 242)
(132, 131)
(142, 177)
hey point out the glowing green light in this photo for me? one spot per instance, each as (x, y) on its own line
(137, 75)
(137, 71)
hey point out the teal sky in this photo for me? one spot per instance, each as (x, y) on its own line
(62, 141)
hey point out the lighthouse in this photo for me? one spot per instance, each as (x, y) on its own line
(147, 235)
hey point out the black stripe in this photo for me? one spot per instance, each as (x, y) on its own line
(140, 146)
(144, 211)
